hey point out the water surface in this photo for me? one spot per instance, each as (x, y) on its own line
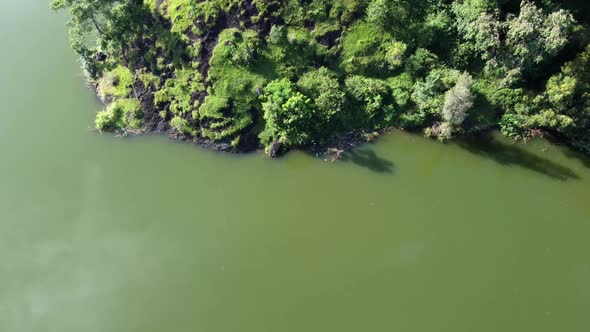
(101, 234)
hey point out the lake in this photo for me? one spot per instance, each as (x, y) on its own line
(105, 234)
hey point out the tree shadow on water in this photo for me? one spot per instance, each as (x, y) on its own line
(570, 152)
(507, 154)
(369, 159)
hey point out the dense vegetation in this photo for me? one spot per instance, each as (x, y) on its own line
(245, 73)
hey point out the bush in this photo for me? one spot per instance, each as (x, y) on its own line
(421, 62)
(213, 107)
(278, 34)
(514, 126)
(378, 12)
(288, 115)
(365, 48)
(240, 48)
(428, 94)
(395, 54)
(323, 87)
(121, 114)
(401, 88)
(182, 126)
(373, 97)
(116, 83)
(178, 91)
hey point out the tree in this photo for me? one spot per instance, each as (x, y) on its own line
(421, 62)
(114, 25)
(277, 35)
(395, 54)
(428, 94)
(378, 12)
(86, 16)
(288, 115)
(323, 87)
(458, 101)
(532, 37)
(512, 47)
(372, 96)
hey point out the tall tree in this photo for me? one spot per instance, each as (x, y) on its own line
(86, 16)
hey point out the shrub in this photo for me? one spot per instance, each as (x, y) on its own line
(401, 88)
(182, 126)
(514, 126)
(278, 34)
(288, 115)
(323, 87)
(395, 54)
(179, 90)
(421, 62)
(378, 12)
(237, 47)
(428, 94)
(121, 114)
(213, 107)
(364, 49)
(373, 96)
(116, 83)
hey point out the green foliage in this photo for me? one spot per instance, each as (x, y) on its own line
(336, 66)
(458, 101)
(393, 15)
(151, 4)
(428, 94)
(277, 35)
(85, 16)
(378, 12)
(513, 47)
(149, 80)
(181, 13)
(287, 113)
(368, 49)
(514, 126)
(116, 83)
(291, 52)
(401, 88)
(561, 89)
(323, 87)
(373, 97)
(178, 92)
(182, 126)
(236, 71)
(421, 62)
(239, 48)
(394, 55)
(124, 113)
(214, 107)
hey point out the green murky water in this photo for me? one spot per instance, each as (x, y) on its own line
(144, 234)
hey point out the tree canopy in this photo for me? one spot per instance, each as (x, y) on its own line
(303, 72)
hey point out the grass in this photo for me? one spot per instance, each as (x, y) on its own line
(116, 83)
(182, 126)
(123, 113)
(178, 91)
(181, 14)
(234, 82)
(364, 49)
